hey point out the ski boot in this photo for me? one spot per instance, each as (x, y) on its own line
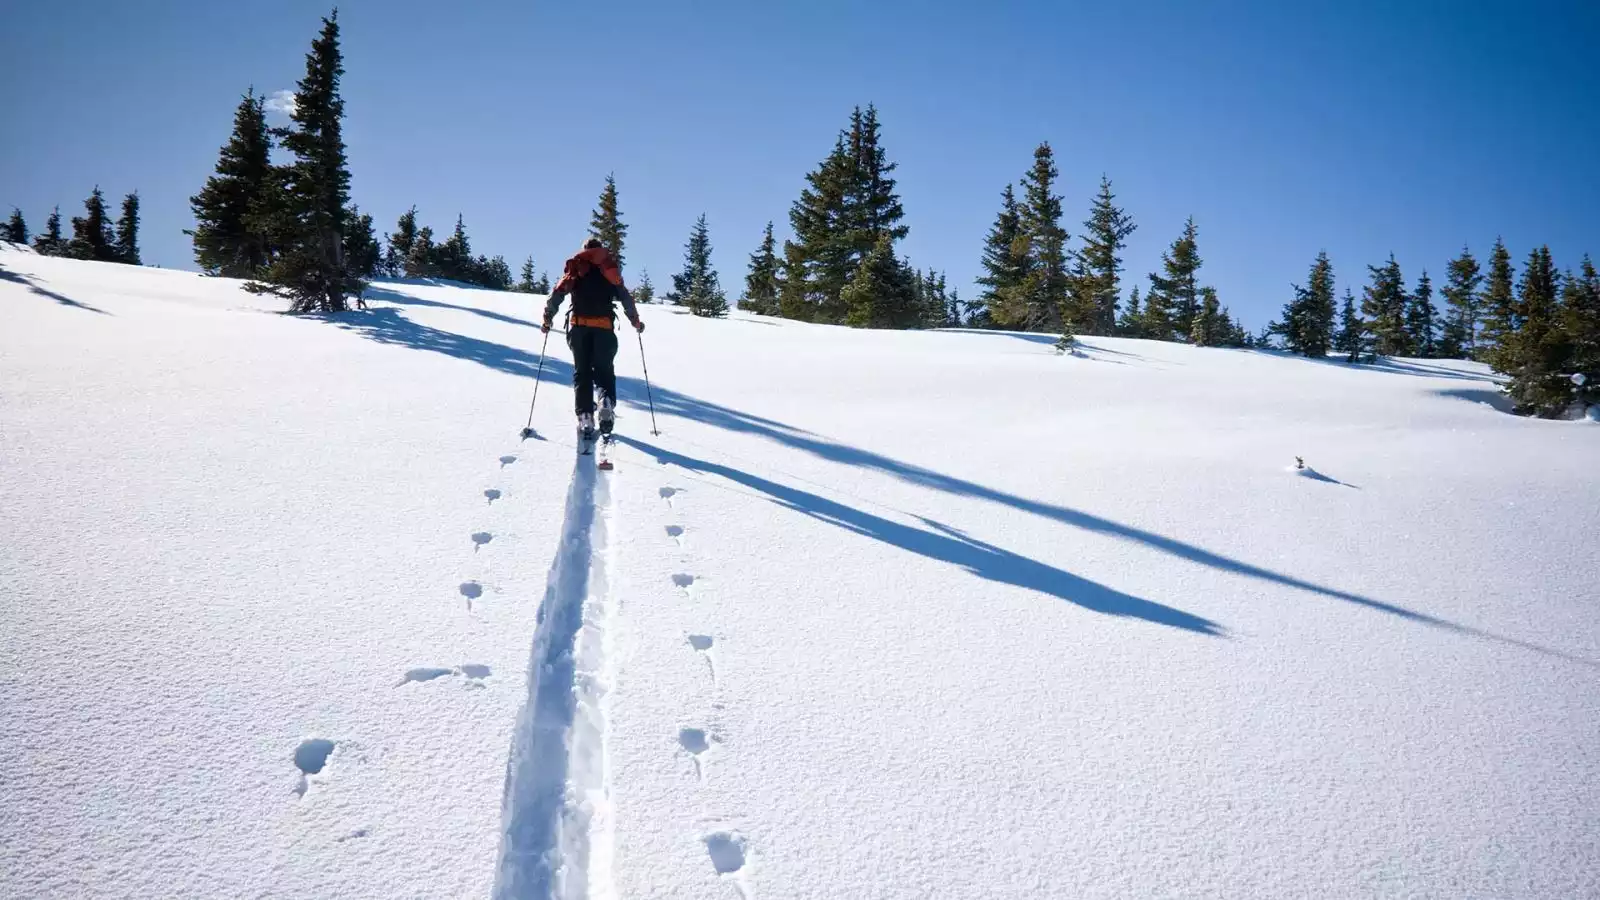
(608, 414)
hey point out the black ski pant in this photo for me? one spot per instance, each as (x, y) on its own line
(594, 353)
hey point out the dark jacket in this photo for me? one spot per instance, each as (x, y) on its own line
(594, 282)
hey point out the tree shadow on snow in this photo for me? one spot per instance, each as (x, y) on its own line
(949, 545)
(390, 326)
(374, 292)
(1493, 398)
(32, 284)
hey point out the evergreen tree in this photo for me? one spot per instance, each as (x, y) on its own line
(606, 223)
(50, 242)
(933, 296)
(455, 256)
(1580, 323)
(420, 264)
(1097, 280)
(91, 233)
(795, 298)
(542, 286)
(1132, 322)
(494, 273)
(1308, 319)
(761, 283)
(883, 292)
(400, 241)
(1383, 305)
(1459, 338)
(227, 239)
(644, 291)
(957, 317)
(1349, 340)
(1498, 309)
(310, 268)
(1174, 295)
(1536, 354)
(1044, 287)
(16, 230)
(697, 287)
(1005, 264)
(1420, 318)
(361, 253)
(126, 246)
(848, 204)
(526, 284)
(1208, 329)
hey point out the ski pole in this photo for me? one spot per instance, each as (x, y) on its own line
(528, 431)
(647, 392)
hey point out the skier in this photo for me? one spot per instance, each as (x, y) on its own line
(594, 283)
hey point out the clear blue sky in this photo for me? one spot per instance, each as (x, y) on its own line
(1284, 128)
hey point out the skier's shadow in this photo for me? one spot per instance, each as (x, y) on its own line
(949, 545)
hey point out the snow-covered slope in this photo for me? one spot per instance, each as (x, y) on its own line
(287, 609)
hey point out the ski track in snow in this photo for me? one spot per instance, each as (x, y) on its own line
(556, 815)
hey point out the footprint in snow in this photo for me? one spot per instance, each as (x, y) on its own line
(311, 757)
(726, 851)
(492, 494)
(480, 538)
(702, 643)
(506, 461)
(667, 493)
(472, 672)
(472, 591)
(696, 742)
(676, 533)
(683, 580)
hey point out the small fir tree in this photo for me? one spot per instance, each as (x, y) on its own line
(697, 287)
(229, 238)
(606, 222)
(761, 282)
(16, 230)
(50, 242)
(1459, 335)
(1420, 318)
(127, 240)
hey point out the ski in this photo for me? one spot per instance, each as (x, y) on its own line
(586, 439)
(605, 453)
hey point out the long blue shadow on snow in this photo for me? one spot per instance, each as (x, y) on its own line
(949, 545)
(388, 325)
(33, 285)
(538, 847)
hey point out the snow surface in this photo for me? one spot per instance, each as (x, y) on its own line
(287, 609)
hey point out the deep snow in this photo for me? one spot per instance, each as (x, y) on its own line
(290, 610)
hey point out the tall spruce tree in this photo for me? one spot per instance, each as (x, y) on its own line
(1208, 328)
(310, 268)
(542, 286)
(50, 242)
(1174, 295)
(1005, 264)
(127, 240)
(761, 282)
(1459, 335)
(643, 292)
(1044, 287)
(1383, 305)
(1498, 309)
(1537, 352)
(697, 287)
(1132, 322)
(1421, 316)
(91, 232)
(420, 264)
(228, 239)
(526, 284)
(848, 204)
(16, 230)
(1349, 339)
(1580, 322)
(606, 222)
(455, 255)
(362, 256)
(1308, 319)
(1096, 281)
(400, 241)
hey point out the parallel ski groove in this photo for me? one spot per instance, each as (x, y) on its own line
(555, 841)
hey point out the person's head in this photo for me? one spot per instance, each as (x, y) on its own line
(592, 244)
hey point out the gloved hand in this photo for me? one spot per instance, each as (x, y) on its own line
(638, 325)
(545, 327)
